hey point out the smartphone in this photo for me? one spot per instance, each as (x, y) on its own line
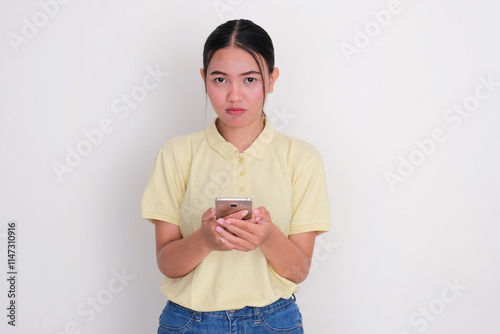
(227, 205)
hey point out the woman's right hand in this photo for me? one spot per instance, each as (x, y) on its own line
(210, 238)
(178, 256)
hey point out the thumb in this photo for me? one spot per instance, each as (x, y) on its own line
(209, 214)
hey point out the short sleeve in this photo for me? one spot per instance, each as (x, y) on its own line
(162, 198)
(311, 205)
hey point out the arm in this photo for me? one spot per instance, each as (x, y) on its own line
(177, 256)
(290, 257)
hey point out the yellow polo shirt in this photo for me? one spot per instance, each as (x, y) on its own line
(279, 172)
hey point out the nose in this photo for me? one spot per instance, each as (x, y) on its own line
(234, 93)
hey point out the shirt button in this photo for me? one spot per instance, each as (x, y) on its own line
(240, 159)
(242, 173)
(242, 189)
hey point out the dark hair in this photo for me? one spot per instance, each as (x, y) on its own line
(243, 34)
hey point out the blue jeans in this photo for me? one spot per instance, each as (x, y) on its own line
(282, 316)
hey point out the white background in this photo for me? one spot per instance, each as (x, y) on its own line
(393, 252)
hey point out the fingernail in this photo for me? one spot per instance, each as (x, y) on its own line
(218, 229)
(256, 211)
(244, 213)
(220, 221)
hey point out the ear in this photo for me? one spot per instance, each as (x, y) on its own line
(272, 79)
(202, 73)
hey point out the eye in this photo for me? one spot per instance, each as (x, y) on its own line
(250, 80)
(220, 80)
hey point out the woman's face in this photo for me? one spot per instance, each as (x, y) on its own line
(235, 87)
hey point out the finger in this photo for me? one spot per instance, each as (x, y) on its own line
(261, 213)
(209, 214)
(234, 243)
(239, 244)
(222, 232)
(237, 215)
(239, 224)
(227, 239)
(227, 235)
(226, 243)
(239, 237)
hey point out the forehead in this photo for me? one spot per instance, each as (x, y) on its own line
(234, 60)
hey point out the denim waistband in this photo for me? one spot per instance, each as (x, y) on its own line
(246, 311)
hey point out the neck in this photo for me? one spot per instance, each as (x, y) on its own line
(241, 137)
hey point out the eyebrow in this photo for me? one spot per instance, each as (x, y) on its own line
(242, 74)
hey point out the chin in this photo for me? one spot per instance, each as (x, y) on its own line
(238, 120)
(235, 121)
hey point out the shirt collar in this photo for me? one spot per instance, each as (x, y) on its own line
(257, 150)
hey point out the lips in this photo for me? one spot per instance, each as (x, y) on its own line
(235, 111)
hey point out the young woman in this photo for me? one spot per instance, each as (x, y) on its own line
(230, 275)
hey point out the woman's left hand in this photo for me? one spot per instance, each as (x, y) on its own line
(246, 235)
